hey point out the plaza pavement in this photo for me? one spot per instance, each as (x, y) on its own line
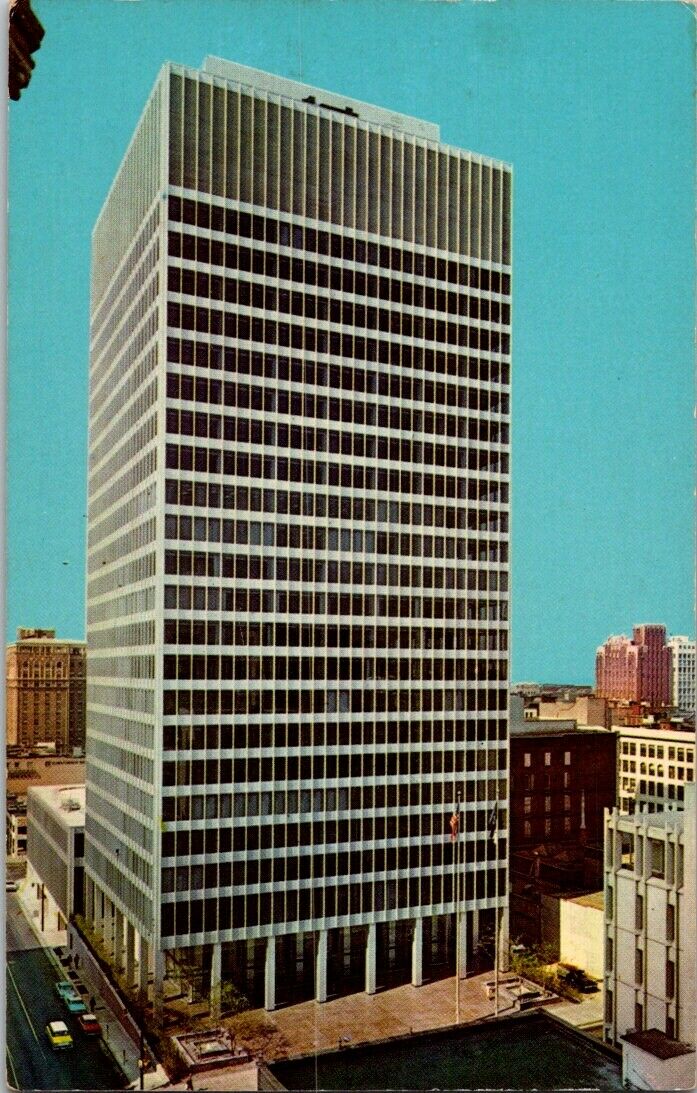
(362, 1018)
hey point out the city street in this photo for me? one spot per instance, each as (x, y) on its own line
(31, 1004)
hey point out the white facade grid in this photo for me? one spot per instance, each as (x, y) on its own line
(684, 676)
(654, 767)
(298, 539)
(649, 923)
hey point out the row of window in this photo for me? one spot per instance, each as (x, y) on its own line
(332, 571)
(266, 297)
(241, 838)
(560, 824)
(310, 635)
(138, 472)
(318, 570)
(527, 803)
(286, 870)
(317, 734)
(120, 357)
(127, 275)
(131, 447)
(215, 495)
(289, 768)
(211, 666)
(207, 320)
(347, 378)
(360, 605)
(213, 461)
(249, 566)
(529, 780)
(657, 751)
(547, 758)
(206, 354)
(654, 770)
(271, 230)
(127, 316)
(218, 427)
(289, 700)
(184, 917)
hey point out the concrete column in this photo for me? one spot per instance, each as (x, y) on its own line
(118, 939)
(417, 951)
(370, 959)
(321, 968)
(216, 976)
(158, 996)
(89, 901)
(130, 954)
(109, 924)
(475, 935)
(270, 975)
(143, 969)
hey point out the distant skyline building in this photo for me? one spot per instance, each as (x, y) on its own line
(45, 680)
(298, 541)
(636, 668)
(684, 671)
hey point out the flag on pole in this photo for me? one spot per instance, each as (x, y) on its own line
(493, 821)
(454, 826)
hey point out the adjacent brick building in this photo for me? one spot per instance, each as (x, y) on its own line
(563, 777)
(45, 680)
(637, 668)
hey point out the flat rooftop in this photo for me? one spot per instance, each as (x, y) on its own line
(527, 1051)
(66, 801)
(267, 82)
(552, 727)
(596, 900)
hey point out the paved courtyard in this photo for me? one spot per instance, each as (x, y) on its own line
(362, 1018)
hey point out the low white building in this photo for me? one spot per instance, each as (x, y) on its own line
(650, 942)
(55, 848)
(654, 766)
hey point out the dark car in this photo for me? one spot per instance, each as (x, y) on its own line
(579, 981)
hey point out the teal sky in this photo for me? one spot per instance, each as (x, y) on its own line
(592, 103)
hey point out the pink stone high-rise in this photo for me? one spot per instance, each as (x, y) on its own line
(637, 668)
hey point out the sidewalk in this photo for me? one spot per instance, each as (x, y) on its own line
(123, 1047)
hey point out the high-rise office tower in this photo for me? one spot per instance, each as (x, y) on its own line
(298, 542)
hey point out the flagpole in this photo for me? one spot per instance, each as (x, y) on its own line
(496, 915)
(457, 911)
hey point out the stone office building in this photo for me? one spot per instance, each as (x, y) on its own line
(298, 540)
(45, 691)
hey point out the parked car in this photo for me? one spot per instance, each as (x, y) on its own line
(67, 993)
(58, 1035)
(89, 1024)
(579, 981)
